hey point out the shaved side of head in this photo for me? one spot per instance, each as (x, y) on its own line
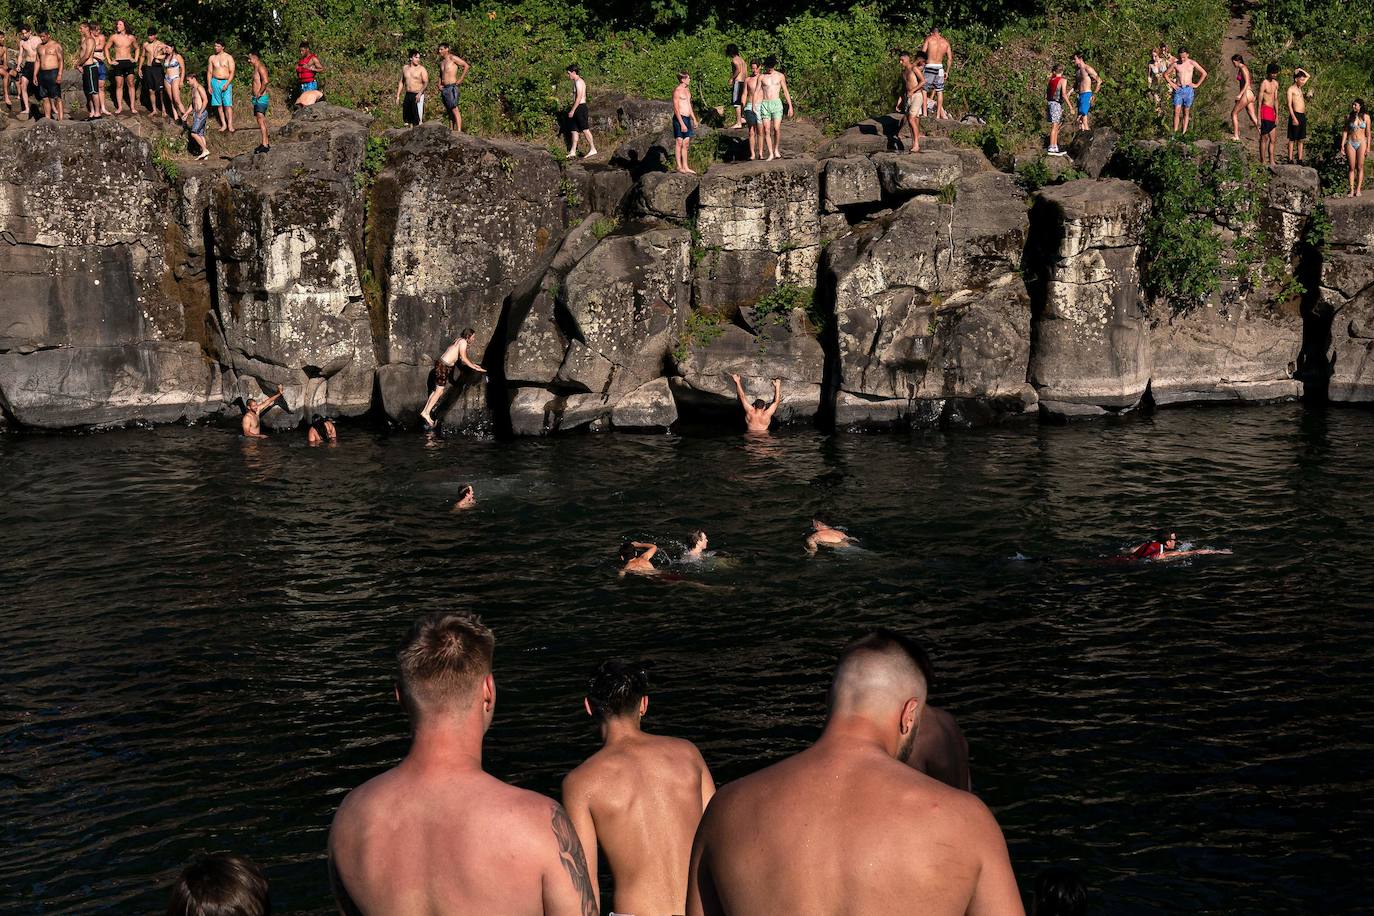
(877, 673)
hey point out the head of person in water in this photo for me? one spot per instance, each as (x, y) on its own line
(444, 668)
(1059, 891)
(882, 679)
(220, 885)
(628, 552)
(818, 523)
(1167, 538)
(696, 540)
(619, 688)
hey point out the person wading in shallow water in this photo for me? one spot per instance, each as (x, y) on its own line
(437, 834)
(639, 798)
(456, 353)
(252, 423)
(758, 415)
(845, 826)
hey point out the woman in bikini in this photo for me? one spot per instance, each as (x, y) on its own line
(174, 70)
(1245, 97)
(1355, 141)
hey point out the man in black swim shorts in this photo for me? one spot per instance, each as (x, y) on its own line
(50, 64)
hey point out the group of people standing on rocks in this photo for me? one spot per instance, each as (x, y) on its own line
(150, 75)
(876, 816)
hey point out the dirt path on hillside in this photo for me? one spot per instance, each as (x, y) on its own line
(1234, 41)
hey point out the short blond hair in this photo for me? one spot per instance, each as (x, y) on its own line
(445, 657)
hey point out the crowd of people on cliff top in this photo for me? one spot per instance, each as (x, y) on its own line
(877, 816)
(155, 73)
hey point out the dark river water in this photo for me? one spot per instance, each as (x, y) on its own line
(197, 634)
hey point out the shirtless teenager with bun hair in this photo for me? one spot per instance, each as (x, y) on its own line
(437, 833)
(845, 826)
(639, 798)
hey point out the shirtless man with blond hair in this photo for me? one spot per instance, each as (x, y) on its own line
(437, 833)
(639, 798)
(758, 415)
(845, 826)
(911, 102)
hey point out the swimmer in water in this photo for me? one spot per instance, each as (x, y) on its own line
(252, 425)
(1164, 546)
(823, 535)
(321, 430)
(638, 563)
(696, 547)
(466, 499)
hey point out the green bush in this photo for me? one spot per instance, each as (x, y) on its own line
(700, 329)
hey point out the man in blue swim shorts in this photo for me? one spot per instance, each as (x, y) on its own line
(1185, 77)
(261, 100)
(682, 122)
(1088, 84)
(219, 72)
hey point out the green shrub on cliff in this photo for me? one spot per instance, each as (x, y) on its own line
(700, 329)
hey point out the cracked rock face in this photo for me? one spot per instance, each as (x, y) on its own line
(287, 237)
(1091, 349)
(88, 335)
(930, 304)
(457, 224)
(784, 348)
(1347, 295)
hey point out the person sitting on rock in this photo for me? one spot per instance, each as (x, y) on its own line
(824, 535)
(466, 499)
(456, 353)
(758, 415)
(321, 430)
(252, 424)
(638, 563)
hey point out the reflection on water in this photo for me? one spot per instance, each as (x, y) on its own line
(197, 634)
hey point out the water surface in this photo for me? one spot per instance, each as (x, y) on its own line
(197, 634)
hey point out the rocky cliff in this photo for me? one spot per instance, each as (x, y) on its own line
(883, 288)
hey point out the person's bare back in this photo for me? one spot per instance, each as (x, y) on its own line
(436, 834)
(639, 798)
(845, 827)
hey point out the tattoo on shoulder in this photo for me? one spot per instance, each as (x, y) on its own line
(573, 860)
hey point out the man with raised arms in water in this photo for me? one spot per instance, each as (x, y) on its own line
(1164, 546)
(635, 562)
(845, 826)
(436, 833)
(939, 63)
(639, 798)
(757, 415)
(252, 422)
(911, 102)
(456, 353)
(823, 535)
(453, 70)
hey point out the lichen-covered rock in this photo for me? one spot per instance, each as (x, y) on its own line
(1091, 334)
(1229, 353)
(666, 195)
(287, 244)
(1347, 298)
(850, 181)
(650, 406)
(786, 348)
(930, 304)
(89, 330)
(1291, 198)
(457, 223)
(905, 174)
(1092, 150)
